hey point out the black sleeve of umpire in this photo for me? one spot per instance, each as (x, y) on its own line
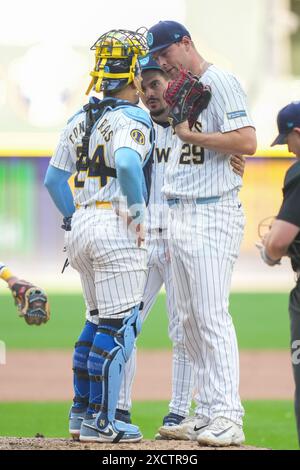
(290, 208)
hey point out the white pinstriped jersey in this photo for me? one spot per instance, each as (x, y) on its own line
(196, 172)
(113, 131)
(158, 208)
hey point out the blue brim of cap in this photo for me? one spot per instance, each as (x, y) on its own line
(149, 67)
(280, 140)
(159, 48)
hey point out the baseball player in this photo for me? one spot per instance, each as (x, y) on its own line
(107, 143)
(205, 227)
(154, 84)
(283, 239)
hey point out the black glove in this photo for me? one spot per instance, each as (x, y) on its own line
(67, 223)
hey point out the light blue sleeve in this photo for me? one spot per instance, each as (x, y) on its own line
(56, 181)
(130, 177)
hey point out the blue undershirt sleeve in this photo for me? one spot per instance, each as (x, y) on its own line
(130, 177)
(56, 181)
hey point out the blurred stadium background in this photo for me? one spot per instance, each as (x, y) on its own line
(44, 66)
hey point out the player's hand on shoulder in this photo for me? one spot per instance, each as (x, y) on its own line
(238, 163)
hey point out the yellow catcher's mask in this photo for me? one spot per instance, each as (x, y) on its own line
(116, 59)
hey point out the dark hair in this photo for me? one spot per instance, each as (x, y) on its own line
(113, 93)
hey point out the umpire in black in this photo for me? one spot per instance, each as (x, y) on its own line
(283, 239)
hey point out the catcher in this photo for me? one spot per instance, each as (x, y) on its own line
(31, 301)
(283, 238)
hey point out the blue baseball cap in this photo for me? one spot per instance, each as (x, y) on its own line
(148, 63)
(288, 118)
(164, 34)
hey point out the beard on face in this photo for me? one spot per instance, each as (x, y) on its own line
(158, 112)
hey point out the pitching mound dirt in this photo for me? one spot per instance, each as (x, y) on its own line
(14, 443)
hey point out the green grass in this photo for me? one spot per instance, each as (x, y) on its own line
(271, 424)
(28, 419)
(261, 322)
(267, 423)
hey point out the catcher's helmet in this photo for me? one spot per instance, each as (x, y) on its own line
(116, 59)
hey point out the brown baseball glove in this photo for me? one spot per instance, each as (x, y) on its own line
(187, 97)
(32, 302)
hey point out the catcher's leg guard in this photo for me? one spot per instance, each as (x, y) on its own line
(112, 347)
(81, 382)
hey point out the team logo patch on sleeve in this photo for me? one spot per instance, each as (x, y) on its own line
(237, 114)
(138, 136)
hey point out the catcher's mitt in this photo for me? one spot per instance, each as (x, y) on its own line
(187, 98)
(32, 302)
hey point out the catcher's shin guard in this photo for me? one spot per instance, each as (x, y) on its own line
(112, 347)
(81, 381)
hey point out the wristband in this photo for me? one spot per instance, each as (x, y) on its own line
(5, 273)
(267, 259)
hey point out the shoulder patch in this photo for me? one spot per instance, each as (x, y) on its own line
(138, 136)
(237, 114)
(138, 114)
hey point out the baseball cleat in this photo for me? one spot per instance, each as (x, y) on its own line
(187, 430)
(115, 431)
(172, 419)
(75, 420)
(222, 432)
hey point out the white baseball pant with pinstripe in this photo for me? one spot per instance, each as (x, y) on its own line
(159, 273)
(111, 266)
(204, 244)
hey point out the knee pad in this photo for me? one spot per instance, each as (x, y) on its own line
(128, 332)
(112, 347)
(80, 358)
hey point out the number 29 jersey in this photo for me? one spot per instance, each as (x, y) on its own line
(195, 172)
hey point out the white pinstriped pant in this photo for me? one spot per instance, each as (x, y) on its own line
(159, 273)
(111, 266)
(204, 242)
